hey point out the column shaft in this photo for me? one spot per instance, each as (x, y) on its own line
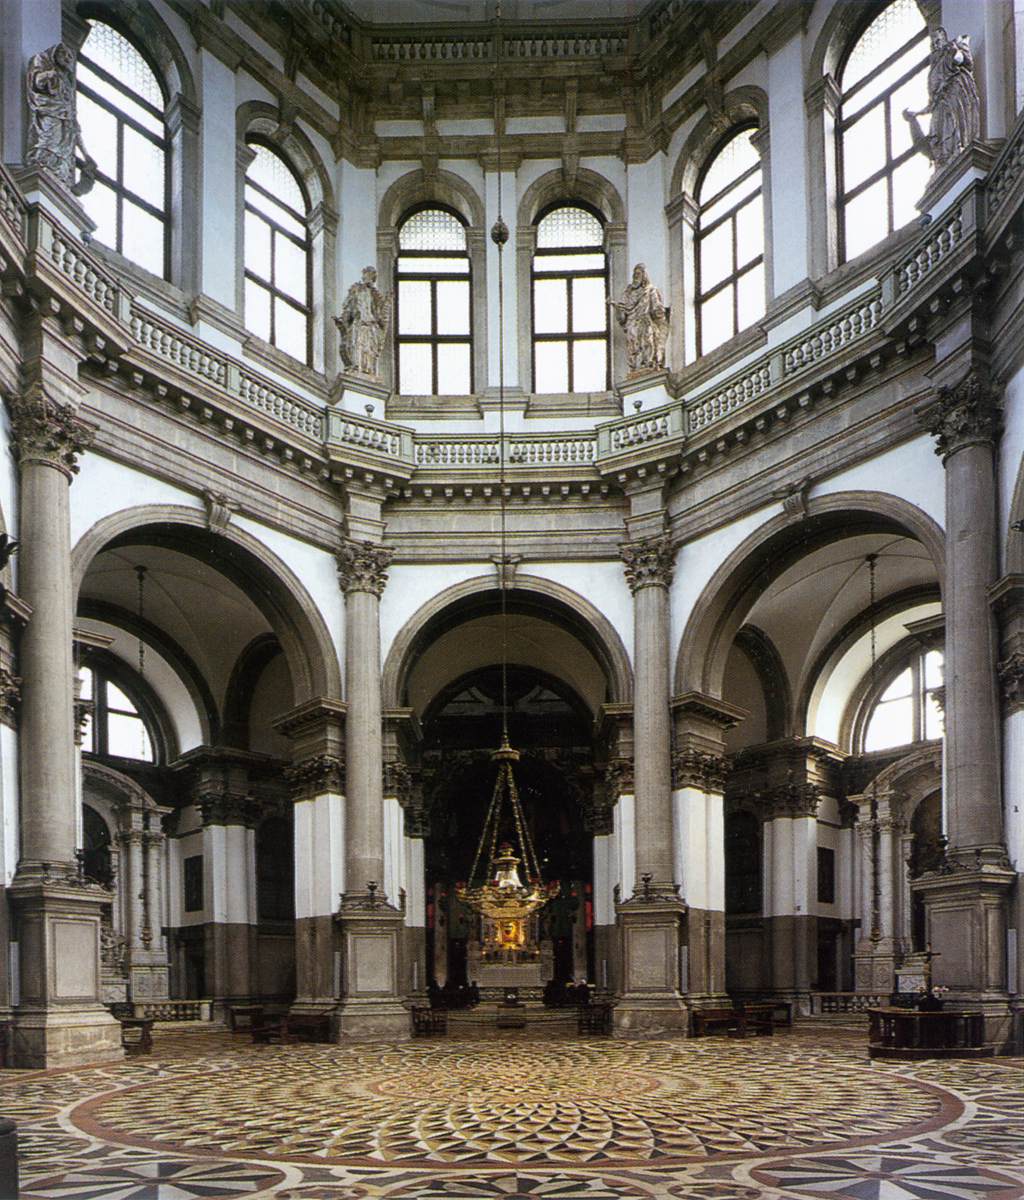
(653, 772)
(364, 834)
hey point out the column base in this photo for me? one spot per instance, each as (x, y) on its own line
(874, 966)
(372, 933)
(651, 1017)
(651, 1004)
(67, 1037)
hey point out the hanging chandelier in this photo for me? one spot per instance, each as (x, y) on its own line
(497, 887)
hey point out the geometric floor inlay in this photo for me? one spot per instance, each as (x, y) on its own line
(802, 1116)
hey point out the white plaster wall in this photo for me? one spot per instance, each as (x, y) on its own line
(603, 584)
(9, 815)
(510, 290)
(912, 471)
(788, 166)
(104, 487)
(411, 586)
(415, 882)
(625, 845)
(316, 568)
(1013, 786)
(394, 850)
(696, 563)
(355, 188)
(1011, 456)
(216, 85)
(229, 874)
(604, 879)
(698, 831)
(646, 230)
(319, 855)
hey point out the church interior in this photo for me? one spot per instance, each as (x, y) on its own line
(512, 599)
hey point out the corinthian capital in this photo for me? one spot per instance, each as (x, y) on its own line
(967, 414)
(648, 562)
(46, 431)
(363, 567)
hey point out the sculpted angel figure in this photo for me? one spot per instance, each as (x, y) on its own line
(953, 100)
(363, 324)
(53, 131)
(642, 314)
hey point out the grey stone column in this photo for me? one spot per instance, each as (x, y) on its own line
(648, 565)
(60, 1020)
(966, 901)
(371, 925)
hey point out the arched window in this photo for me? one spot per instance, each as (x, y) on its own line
(729, 242)
(907, 705)
(433, 317)
(881, 175)
(742, 862)
(570, 302)
(121, 111)
(275, 882)
(114, 724)
(278, 301)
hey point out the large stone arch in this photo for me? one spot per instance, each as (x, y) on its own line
(553, 600)
(724, 603)
(739, 107)
(443, 187)
(275, 588)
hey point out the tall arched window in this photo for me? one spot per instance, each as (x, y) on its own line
(433, 318)
(730, 241)
(115, 723)
(907, 705)
(278, 281)
(881, 175)
(570, 302)
(121, 111)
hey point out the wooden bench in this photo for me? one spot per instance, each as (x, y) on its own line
(737, 1022)
(242, 1017)
(708, 1020)
(299, 1027)
(594, 1018)
(137, 1035)
(428, 1021)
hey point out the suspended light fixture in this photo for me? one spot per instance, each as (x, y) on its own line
(497, 888)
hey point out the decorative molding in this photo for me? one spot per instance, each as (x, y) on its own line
(1011, 681)
(967, 414)
(219, 510)
(219, 806)
(46, 431)
(698, 769)
(648, 562)
(316, 776)
(10, 697)
(618, 779)
(363, 567)
(792, 799)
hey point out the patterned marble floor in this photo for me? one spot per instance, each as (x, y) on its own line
(802, 1115)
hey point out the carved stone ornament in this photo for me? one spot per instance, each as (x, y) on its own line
(953, 101)
(618, 779)
(53, 133)
(222, 807)
(219, 510)
(363, 325)
(1011, 681)
(363, 567)
(316, 776)
(649, 562)
(642, 314)
(397, 781)
(793, 799)
(10, 696)
(47, 432)
(698, 769)
(968, 414)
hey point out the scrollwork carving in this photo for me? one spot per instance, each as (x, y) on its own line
(46, 431)
(363, 567)
(315, 776)
(698, 769)
(648, 562)
(967, 414)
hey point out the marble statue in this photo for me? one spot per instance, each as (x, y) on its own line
(53, 130)
(363, 324)
(642, 314)
(953, 101)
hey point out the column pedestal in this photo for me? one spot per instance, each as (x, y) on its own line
(371, 936)
(60, 1022)
(653, 931)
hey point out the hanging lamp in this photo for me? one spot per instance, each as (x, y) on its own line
(504, 883)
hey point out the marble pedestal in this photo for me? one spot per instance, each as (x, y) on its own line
(651, 1004)
(371, 1007)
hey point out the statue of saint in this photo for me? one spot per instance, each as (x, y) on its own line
(363, 324)
(642, 314)
(953, 101)
(53, 130)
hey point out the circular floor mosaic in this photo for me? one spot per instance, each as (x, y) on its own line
(488, 1103)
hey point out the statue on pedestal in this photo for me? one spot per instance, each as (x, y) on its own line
(363, 325)
(953, 101)
(53, 130)
(642, 314)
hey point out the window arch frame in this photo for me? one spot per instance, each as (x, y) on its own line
(306, 245)
(108, 668)
(843, 123)
(434, 340)
(165, 215)
(699, 235)
(908, 653)
(570, 336)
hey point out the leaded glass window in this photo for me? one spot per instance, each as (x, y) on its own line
(278, 303)
(881, 174)
(908, 708)
(121, 112)
(570, 302)
(434, 341)
(730, 242)
(114, 724)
